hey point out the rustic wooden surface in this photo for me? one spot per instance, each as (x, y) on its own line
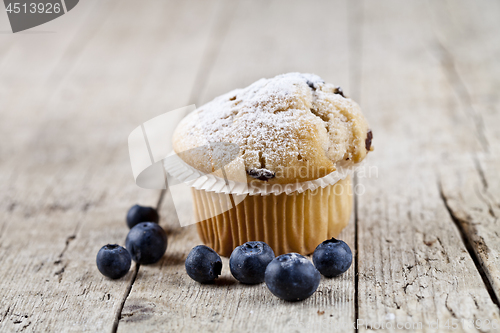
(425, 225)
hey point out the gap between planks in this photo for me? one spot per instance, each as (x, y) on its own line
(118, 314)
(355, 47)
(464, 96)
(219, 29)
(468, 245)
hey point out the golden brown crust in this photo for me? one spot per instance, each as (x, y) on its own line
(292, 128)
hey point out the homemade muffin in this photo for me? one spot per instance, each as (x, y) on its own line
(291, 129)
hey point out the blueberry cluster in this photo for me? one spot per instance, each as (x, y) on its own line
(146, 243)
(291, 276)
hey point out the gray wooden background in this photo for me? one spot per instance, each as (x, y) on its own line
(425, 227)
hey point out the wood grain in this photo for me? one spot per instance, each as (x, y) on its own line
(68, 179)
(163, 297)
(470, 191)
(470, 185)
(425, 226)
(413, 266)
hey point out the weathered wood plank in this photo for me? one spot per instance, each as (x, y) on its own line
(164, 297)
(48, 270)
(470, 190)
(468, 40)
(413, 267)
(466, 31)
(69, 183)
(264, 39)
(60, 181)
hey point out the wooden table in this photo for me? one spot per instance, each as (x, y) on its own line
(425, 227)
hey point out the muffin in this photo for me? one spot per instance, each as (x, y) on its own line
(287, 139)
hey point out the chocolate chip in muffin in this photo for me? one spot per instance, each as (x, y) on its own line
(261, 174)
(368, 141)
(339, 91)
(311, 85)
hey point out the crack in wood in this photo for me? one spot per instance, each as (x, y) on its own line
(25, 326)
(467, 242)
(69, 239)
(355, 26)
(5, 314)
(118, 314)
(480, 171)
(60, 273)
(443, 251)
(481, 197)
(484, 181)
(356, 255)
(450, 310)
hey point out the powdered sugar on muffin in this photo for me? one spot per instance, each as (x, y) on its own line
(293, 127)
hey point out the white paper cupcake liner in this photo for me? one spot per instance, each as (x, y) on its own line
(184, 173)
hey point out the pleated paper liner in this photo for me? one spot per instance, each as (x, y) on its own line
(295, 222)
(292, 218)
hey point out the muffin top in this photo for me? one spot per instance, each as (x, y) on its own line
(291, 128)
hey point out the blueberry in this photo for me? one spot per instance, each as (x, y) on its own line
(292, 277)
(203, 264)
(137, 214)
(332, 257)
(146, 242)
(248, 262)
(113, 261)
